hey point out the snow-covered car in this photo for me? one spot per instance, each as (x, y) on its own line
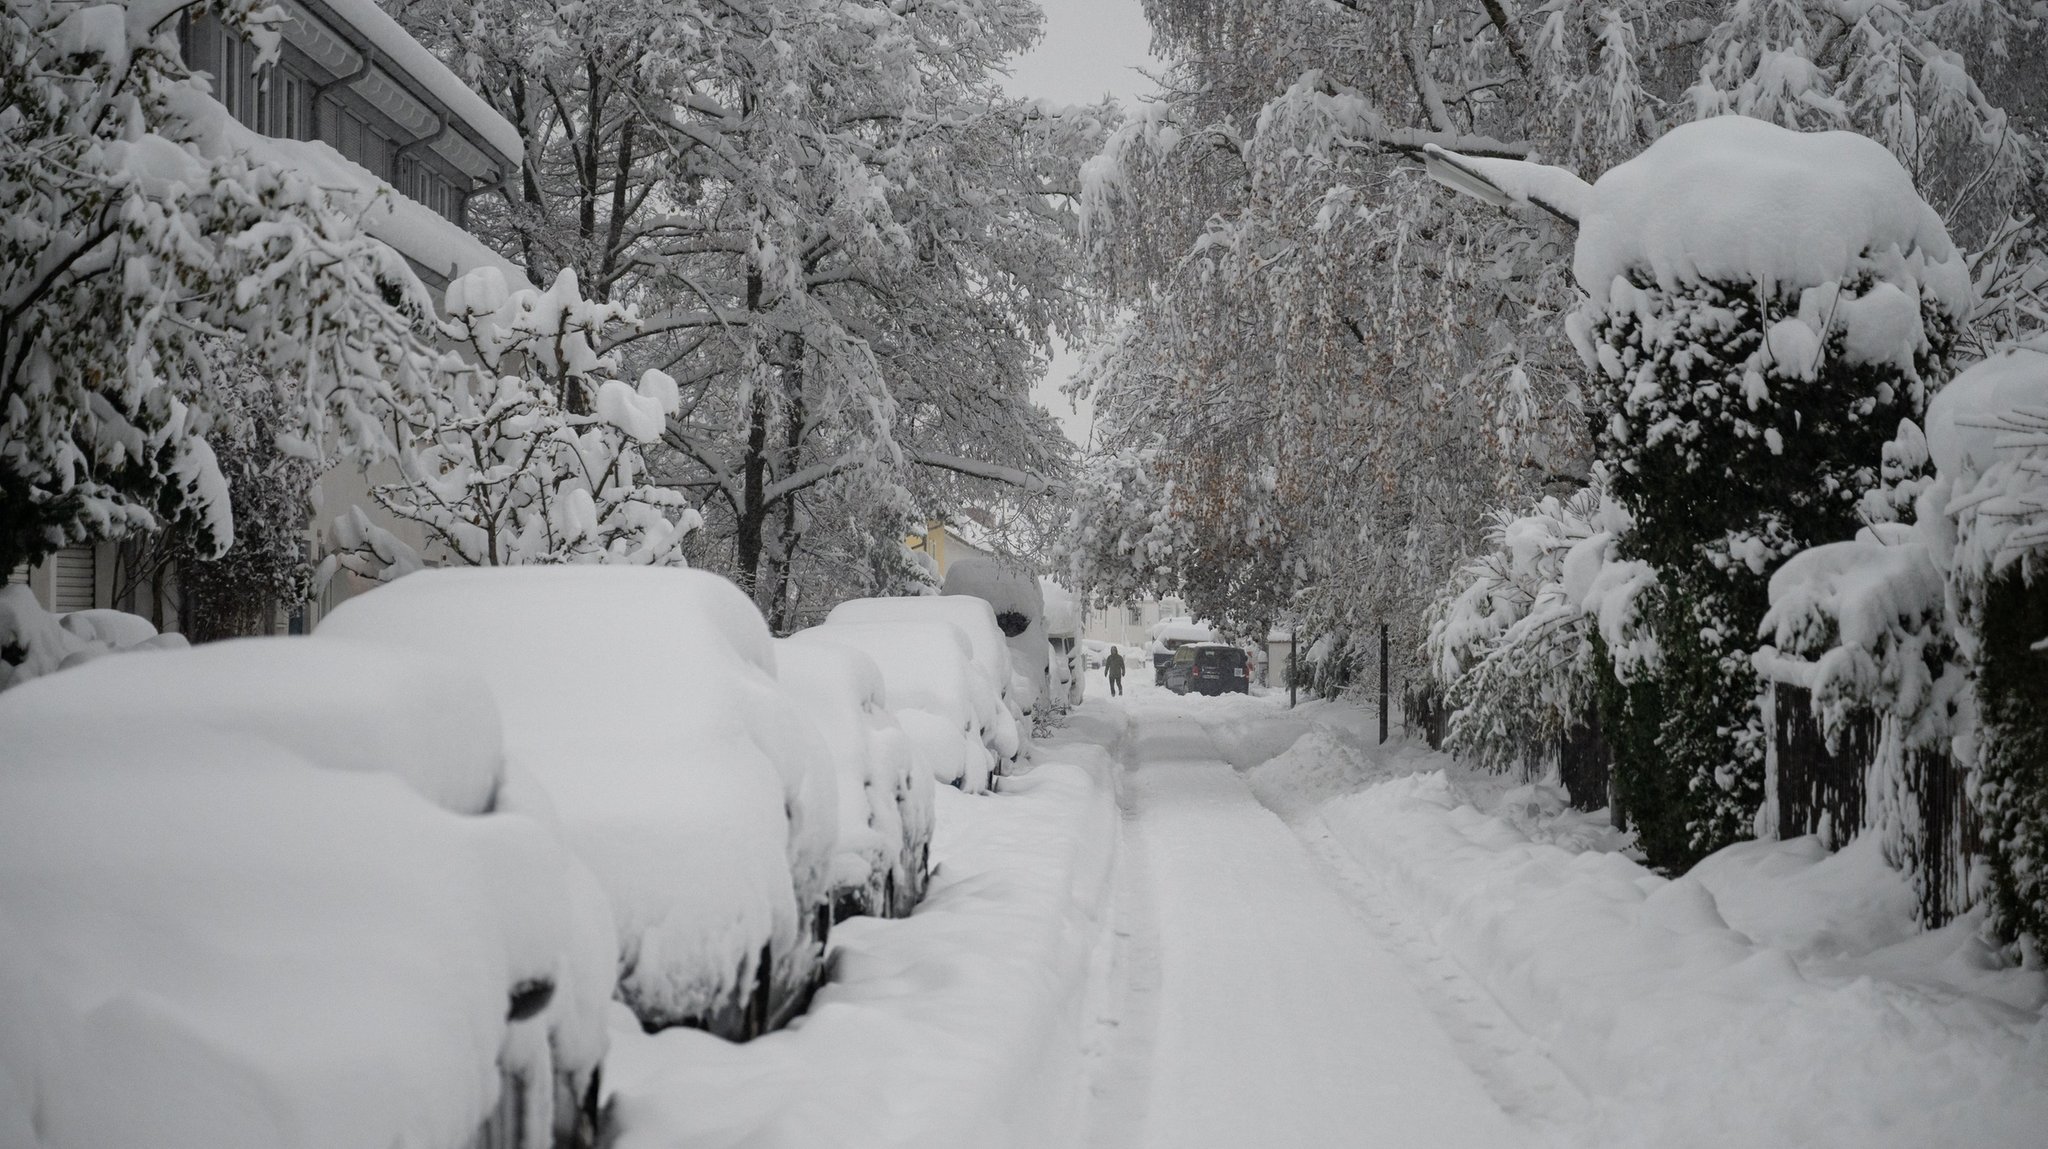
(1018, 602)
(206, 938)
(953, 719)
(988, 651)
(885, 799)
(644, 702)
(357, 708)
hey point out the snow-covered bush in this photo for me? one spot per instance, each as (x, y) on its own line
(139, 244)
(268, 564)
(34, 642)
(885, 800)
(1517, 640)
(534, 453)
(1762, 308)
(643, 701)
(206, 939)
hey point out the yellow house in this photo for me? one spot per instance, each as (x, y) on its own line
(945, 546)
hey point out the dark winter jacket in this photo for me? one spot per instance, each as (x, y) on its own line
(1114, 664)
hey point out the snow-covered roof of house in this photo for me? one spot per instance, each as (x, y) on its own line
(416, 231)
(365, 25)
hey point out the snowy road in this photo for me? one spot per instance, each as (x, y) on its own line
(1258, 1005)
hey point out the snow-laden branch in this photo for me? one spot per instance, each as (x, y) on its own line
(1021, 479)
(1509, 183)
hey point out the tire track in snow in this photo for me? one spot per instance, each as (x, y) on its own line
(1513, 1064)
(1127, 1015)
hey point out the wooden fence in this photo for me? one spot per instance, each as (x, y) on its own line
(1823, 791)
(1820, 790)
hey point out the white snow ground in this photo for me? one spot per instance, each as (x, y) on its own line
(1293, 937)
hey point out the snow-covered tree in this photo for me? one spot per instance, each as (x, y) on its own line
(846, 241)
(499, 469)
(1266, 227)
(269, 565)
(1520, 636)
(140, 245)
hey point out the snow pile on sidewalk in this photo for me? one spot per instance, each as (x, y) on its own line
(1778, 995)
(960, 1025)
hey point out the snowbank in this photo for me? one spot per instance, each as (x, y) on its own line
(206, 941)
(1777, 995)
(961, 1025)
(643, 700)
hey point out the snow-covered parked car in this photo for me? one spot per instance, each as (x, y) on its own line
(362, 709)
(986, 649)
(644, 702)
(1013, 594)
(885, 798)
(945, 706)
(207, 938)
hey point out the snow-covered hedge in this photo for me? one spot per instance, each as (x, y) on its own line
(1937, 622)
(644, 702)
(34, 642)
(1762, 308)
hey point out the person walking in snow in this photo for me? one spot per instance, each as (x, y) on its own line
(1114, 666)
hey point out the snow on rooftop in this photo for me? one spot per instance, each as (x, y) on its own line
(1182, 630)
(1734, 198)
(385, 34)
(413, 229)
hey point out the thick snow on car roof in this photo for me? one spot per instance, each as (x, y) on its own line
(347, 706)
(974, 616)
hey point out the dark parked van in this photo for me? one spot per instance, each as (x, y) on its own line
(1208, 668)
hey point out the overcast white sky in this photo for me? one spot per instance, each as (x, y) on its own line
(1091, 47)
